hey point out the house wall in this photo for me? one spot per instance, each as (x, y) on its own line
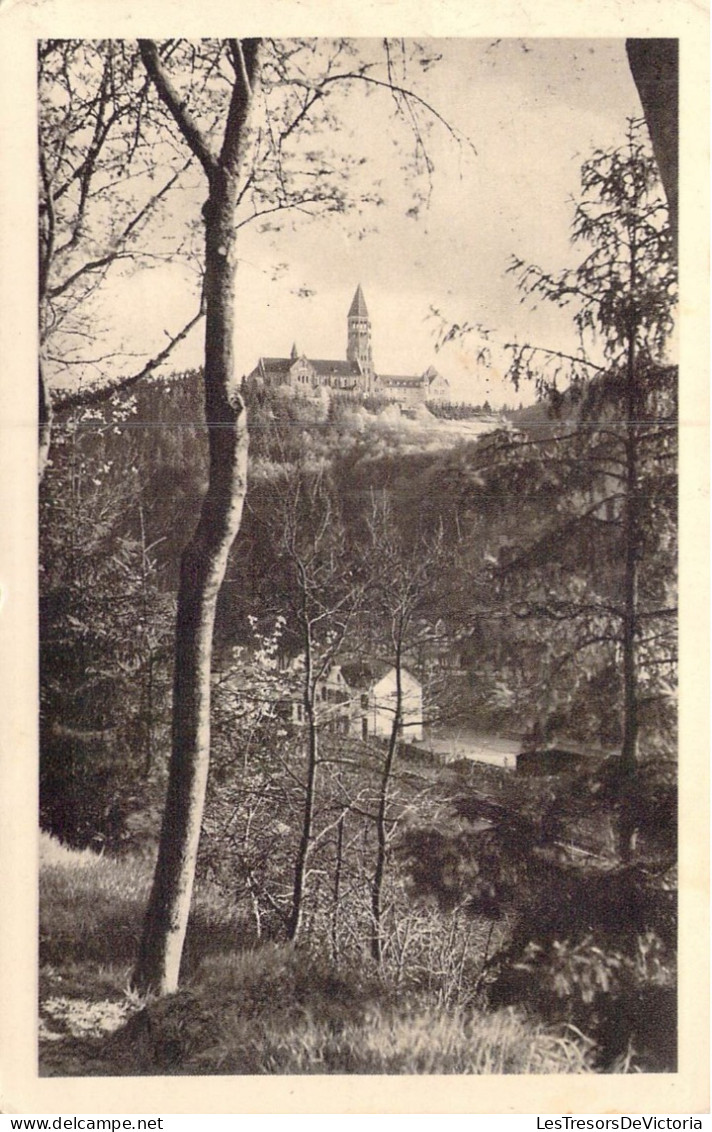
(334, 701)
(302, 375)
(382, 706)
(405, 395)
(363, 713)
(439, 390)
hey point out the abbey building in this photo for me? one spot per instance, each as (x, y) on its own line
(319, 377)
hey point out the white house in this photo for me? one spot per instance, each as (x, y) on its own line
(364, 698)
(360, 700)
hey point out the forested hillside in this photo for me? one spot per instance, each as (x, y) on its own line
(365, 536)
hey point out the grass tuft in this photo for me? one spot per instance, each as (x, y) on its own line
(92, 908)
(277, 1011)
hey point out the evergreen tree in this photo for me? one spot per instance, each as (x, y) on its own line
(600, 570)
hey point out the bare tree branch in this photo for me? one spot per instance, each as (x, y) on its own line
(188, 127)
(88, 398)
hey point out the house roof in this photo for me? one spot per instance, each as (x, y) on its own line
(400, 381)
(409, 380)
(361, 675)
(358, 307)
(280, 367)
(328, 365)
(358, 674)
(434, 375)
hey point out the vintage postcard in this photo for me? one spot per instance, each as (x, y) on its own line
(355, 595)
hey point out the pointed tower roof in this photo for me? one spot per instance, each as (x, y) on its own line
(358, 306)
(295, 353)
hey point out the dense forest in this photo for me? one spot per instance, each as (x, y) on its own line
(251, 863)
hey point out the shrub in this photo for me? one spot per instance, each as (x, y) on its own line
(624, 999)
(592, 942)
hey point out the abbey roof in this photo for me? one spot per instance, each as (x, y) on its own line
(282, 366)
(358, 307)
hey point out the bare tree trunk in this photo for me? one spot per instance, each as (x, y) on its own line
(336, 896)
(202, 570)
(44, 419)
(381, 820)
(300, 866)
(326, 600)
(631, 721)
(204, 559)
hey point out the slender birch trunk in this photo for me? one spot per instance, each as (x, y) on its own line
(204, 559)
(300, 865)
(382, 817)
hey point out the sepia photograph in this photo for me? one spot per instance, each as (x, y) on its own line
(357, 557)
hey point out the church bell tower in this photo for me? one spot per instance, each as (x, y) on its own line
(358, 347)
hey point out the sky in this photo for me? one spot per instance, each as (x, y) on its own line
(533, 110)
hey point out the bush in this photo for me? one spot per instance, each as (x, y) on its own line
(624, 999)
(592, 943)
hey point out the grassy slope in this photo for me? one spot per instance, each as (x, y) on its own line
(242, 1009)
